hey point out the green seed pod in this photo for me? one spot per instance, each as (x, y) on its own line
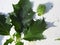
(41, 9)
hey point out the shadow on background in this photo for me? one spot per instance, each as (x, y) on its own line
(50, 24)
(1, 38)
(49, 6)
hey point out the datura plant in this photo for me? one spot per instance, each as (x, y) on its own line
(22, 20)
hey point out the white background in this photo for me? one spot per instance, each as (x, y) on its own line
(52, 16)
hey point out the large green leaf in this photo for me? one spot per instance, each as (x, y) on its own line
(22, 16)
(23, 10)
(4, 27)
(34, 32)
(8, 41)
(22, 7)
(27, 19)
(15, 21)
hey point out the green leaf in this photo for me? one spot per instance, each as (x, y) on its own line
(2, 18)
(4, 27)
(22, 15)
(58, 39)
(34, 32)
(19, 43)
(15, 21)
(18, 36)
(8, 41)
(27, 20)
(41, 9)
(8, 20)
(22, 7)
(23, 11)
